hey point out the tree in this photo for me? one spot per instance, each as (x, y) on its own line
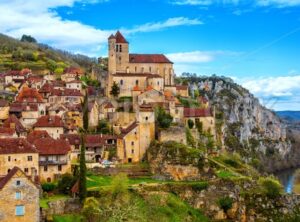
(28, 38)
(115, 90)
(85, 110)
(163, 119)
(82, 171)
(191, 124)
(65, 183)
(103, 127)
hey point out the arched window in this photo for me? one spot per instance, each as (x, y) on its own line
(137, 82)
(121, 82)
(135, 69)
(150, 69)
(146, 118)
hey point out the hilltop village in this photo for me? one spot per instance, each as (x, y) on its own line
(42, 118)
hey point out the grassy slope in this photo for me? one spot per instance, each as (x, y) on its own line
(15, 54)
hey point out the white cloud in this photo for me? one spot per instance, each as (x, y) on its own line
(279, 93)
(39, 19)
(276, 3)
(155, 26)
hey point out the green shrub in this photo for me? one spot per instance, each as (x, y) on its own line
(270, 187)
(225, 203)
(232, 162)
(199, 186)
(48, 187)
(66, 183)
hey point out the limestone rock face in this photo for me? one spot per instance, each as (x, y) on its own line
(248, 127)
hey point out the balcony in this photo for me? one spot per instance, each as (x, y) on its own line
(53, 162)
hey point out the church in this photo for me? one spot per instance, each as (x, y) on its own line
(137, 71)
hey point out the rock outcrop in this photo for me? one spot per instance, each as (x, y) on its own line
(246, 126)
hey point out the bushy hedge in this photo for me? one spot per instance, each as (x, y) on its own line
(270, 187)
(48, 187)
(225, 203)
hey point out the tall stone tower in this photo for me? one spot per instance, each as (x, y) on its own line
(118, 57)
(146, 121)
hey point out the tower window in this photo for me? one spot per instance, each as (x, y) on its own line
(117, 48)
(120, 48)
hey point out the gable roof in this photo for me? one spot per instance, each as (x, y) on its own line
(50, 146)
(73, 139)
(17, 124)
(97, 140)
(120, 38)
(49, 121)
(37, 134)
(125, 131)
(12, 172)
(16, 145)
(197, 112)
(7, 131)
(148, 58)
(29, 95)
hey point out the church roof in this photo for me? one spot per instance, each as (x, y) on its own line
(120, 38)
(148, 58)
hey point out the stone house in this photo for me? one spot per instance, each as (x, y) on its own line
(98, 146)
(18, 152)
(71, 74)
(73, 96)
(182, 90)
(13, 123)
(52, 124)
(203, 116)
(20, 196)
(75, 143)
(75, 84)
(57, 109)
(73, 116)
(4, 110)
(106, 109)
(54, 158)
(130, 70)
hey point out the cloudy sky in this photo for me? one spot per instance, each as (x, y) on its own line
(257, 42)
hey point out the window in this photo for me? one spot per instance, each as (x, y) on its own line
(18, 195)
(20, 210)
(9, 158)
(136, 82)
(59, 167)
(132, 151)
(150, 69)
(26, 170)
(120, 48)
(121, 82)
(18, 182)
(132, 143)
(45, 168)
(29, 158)
(117, 48)
(135, 69)
(146, 118)
(158, 83)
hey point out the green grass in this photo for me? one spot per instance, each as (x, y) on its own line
(224, 174)
(67, 218)
(168, 207)
(44, 201)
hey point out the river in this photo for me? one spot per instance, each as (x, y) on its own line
(287, 179)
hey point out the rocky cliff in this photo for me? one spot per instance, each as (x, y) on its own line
(244, 125)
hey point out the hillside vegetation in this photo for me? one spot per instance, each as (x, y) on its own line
(40, 58)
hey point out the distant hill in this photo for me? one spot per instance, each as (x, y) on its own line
(40, 58)
(289, 115)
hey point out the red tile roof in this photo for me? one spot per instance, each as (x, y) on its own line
(46, 88)
(66, 92)
(14, 121)
(148, 58)
(120, 38)
(16, 145)
(181, 87)
(73, 139)
(50, 146)
(37, 134)
(98, 140)
(73, 70)
(125, 131)
(197, 112)
(49, 121)
(108, 105)
(29, 95)
(6, 131)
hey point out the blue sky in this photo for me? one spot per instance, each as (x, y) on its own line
(254, 42)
